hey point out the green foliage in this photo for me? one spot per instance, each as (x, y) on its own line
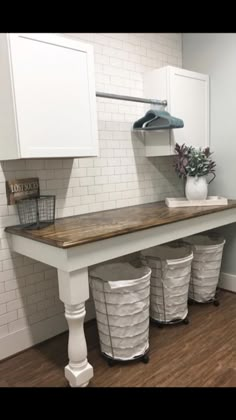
(193, 162)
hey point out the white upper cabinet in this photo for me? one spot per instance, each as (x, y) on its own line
(47, 97)
(187, 95)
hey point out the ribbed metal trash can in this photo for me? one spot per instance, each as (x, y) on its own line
(171, 269)
(207, 257)
(121, 295)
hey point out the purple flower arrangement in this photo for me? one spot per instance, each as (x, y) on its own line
(190, 161)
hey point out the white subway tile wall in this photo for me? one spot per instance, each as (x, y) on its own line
(120, 176)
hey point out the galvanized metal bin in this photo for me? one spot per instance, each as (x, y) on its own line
(171, 268)
(121, 295)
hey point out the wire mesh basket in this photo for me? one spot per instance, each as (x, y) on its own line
(121, 295)
(171, 269)
(36, 213)
(207, 257)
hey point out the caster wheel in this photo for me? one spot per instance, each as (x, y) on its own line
(111, 362)
(216, 302)
(145, 358)
(186, 321)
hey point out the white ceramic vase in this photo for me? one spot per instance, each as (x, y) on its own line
(196, 188)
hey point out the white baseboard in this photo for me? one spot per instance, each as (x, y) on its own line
(36, 333)
(228, 282)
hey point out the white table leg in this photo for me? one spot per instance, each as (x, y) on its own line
(74, 291)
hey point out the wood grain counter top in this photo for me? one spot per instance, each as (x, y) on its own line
(86, 228)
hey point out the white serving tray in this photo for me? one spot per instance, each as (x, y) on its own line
(183, 202)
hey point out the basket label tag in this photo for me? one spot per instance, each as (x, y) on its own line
(18, 189)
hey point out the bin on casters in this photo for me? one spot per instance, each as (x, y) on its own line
(207, 257)
(171, 269)
(121, 295)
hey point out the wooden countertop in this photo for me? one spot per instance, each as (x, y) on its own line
(77, 230)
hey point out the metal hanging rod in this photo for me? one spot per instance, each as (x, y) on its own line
(131, 98)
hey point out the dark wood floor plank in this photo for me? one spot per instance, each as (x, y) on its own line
(201, 354)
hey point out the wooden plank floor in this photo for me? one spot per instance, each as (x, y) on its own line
(201, 354)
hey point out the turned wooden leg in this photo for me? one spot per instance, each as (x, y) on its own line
(74, 291)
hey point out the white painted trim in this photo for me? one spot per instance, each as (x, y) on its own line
(56, 257)
(34, 334)
(188, 73)
(228, 282)
(54, 39)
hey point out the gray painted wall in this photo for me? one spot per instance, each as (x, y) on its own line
(215, 55)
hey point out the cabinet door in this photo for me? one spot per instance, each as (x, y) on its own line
(188, 99)
(54, 96)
